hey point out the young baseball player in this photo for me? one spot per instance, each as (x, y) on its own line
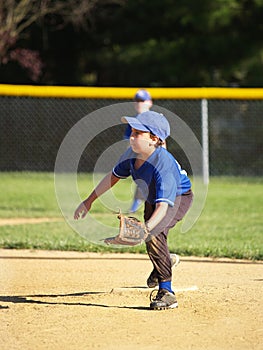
(166, 189)
(142, 103)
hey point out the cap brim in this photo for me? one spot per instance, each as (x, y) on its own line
(135, 123)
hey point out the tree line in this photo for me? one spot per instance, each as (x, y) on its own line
(132, 43)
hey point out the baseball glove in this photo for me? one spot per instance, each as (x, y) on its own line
(131, 232)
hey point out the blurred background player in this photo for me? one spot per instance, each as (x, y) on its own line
(142, 103)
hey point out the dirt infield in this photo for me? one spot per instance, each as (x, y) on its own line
(67, 300)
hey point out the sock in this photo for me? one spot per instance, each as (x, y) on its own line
(166, 285)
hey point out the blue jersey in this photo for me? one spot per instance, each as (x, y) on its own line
(160, 178)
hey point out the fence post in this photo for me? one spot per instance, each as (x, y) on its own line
(205, 136)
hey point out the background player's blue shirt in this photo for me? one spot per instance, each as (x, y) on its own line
(160, 178)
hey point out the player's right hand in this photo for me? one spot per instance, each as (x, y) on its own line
(81, 211)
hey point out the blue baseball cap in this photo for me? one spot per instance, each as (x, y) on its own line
(150, 121)
(142, 95)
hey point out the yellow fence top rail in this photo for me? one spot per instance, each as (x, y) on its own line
(128, 93)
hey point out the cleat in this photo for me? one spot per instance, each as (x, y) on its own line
(152, 280)
(163, 300)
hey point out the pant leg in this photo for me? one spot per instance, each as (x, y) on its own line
(159, 255)
(156, 246)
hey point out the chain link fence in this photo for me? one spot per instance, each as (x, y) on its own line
(33, 128)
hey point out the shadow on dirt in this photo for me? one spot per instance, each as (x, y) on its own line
(29, 299)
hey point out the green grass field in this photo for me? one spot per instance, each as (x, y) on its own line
(230, 225)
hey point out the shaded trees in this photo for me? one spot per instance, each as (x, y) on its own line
(185, 43)
(142, 43)
(19, 19)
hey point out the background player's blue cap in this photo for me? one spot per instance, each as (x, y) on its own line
(142, 95)
(150, 121)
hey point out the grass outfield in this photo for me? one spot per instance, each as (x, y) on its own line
(230, 225)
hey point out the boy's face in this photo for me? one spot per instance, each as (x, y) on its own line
(141, 142)
(142, 106)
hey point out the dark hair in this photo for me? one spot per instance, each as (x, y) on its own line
(159, 142)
